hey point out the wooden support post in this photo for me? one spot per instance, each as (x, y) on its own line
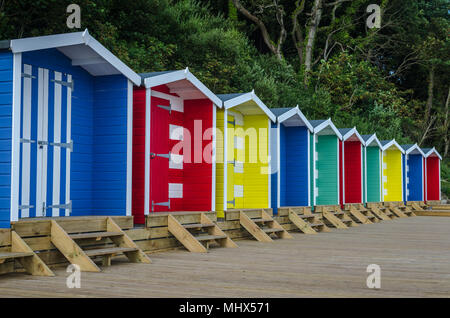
(183, 235)
(416, 207)
(300, 223)
(253, 228)
(137, 256)
(397, 212)
(32, 264)
(70, 249)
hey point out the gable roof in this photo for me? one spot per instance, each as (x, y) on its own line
(181, 82)
(370, 139)
(246, 102)
(430, 152)
(82, 49)
(288, 116)
(349, 132)
(409, 148)
(389, 143)
(321, 124)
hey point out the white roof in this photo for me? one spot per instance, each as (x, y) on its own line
(325, 124)
(414, 147)
(249, 100)
(393, 143)
(295, 112)
(183, 82)
(82, 49)
(352, 132)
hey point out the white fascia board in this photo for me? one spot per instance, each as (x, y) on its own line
(296, 111)
(433, 151)
(174, 76)
(325, 124)
(77, 38)
(205, 90)
(393, 143)
(372, 139)
(351, 133)
(247, 97)
(411, 149)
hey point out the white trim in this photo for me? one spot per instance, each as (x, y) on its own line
(148, 94)
(338, 179)
(248, 97)
(225, 159)
(15, 144)
(325, 124)
(278, 165)
(57, 139)
(403, 175)
(343, 171)
(69, 39)
(309, 168)
(172, 99)
(213, 159)
(352, 132)
(433, 151)
(174, 76)
(129, 148)
(371, 140)
(26, 134)
(269, 166)
(39, 137)
(412, 148)
(291, 113)
(393, 143)
(69, 139)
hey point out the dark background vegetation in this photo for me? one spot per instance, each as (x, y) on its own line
(318, 54)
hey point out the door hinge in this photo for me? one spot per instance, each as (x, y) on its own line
(63, 83)
(233, 122)
(168, 108)
(68, 145)
(67, 206)
(28, 75)
(167, 204)
(27, 141)
(232, 162)
(25, 207)
(162, 155)
(233, 202)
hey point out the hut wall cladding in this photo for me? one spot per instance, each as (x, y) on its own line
(414, 177)
(6, 97)
(99, 133)
(220, 164)
(373, 174)
(433, 179)
(392, 174)
(327, 167)
(352, 172)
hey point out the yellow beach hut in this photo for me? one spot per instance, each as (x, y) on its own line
(392, 172)
(242, 153)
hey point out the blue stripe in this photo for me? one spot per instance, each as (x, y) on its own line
(50, 129)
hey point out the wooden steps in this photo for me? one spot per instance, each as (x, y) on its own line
(20, 252)
(360, 214)
(67, 244)
(197, 237)
(260, 225)
(376, 212)
(334, 216)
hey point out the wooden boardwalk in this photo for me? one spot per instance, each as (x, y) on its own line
(414, 255)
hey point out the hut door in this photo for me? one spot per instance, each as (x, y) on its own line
(231, 161)
(159, 155)
(45, 143)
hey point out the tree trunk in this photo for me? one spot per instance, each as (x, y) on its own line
(429, 104)
(316, 15)
(297, 35)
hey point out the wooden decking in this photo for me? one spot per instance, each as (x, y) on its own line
(413, 254)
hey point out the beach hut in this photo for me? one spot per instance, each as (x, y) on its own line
(392, 171)
(372, 168)
(413, 173)
(242, 153)
(350, 167)
(65, 128)
(290, 154)
(432, 182)
(324, 163)
(174, 119)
